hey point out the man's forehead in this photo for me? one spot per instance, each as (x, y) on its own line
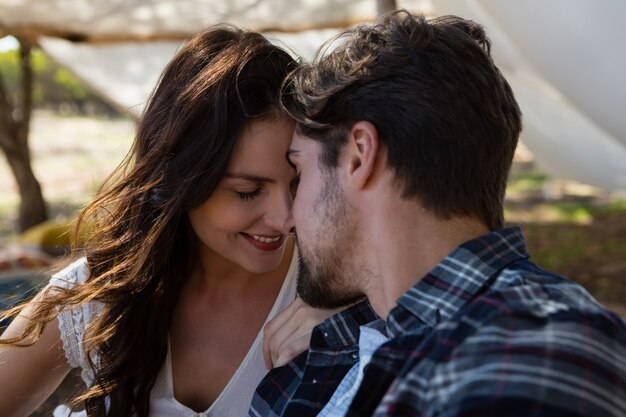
(297, 137)
(301, 143)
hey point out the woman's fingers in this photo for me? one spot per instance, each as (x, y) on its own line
(293, 348)
(289, 333)
(275, 331)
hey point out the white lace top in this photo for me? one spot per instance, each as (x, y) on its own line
(235, 398)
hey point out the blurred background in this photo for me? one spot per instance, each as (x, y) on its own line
(75, 75)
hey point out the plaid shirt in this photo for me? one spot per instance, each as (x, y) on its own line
(305, 385)
(488, 333)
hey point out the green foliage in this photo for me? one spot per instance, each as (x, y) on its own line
(54, 87)
(71, 84)
(616, 206)
(527, 182)
(573, 244)
(10, 72)
(573, 212)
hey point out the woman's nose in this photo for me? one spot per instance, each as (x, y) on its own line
(279, 214)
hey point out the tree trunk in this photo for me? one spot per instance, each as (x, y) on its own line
(32, 209)
(14, 130)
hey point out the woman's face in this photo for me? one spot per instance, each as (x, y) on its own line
(244, 220)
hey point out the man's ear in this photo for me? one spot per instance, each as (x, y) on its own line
(362, 151)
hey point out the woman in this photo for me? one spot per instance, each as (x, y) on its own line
(189, 257)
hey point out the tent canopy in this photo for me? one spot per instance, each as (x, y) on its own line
(112, 20)
(563, 58)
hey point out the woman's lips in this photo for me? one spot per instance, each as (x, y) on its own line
(265, 243)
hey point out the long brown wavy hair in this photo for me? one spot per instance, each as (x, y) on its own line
(141, 247)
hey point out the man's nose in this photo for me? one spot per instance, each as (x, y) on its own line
(290, 225)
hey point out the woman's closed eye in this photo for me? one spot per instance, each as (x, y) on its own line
(246, 196)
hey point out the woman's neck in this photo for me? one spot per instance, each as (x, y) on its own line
(217, 275)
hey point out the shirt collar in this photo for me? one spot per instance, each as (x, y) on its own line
(342, 329)
(456, 280)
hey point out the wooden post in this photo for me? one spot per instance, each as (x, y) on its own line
(385, 6)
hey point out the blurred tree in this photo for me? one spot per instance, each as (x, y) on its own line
(14, 129)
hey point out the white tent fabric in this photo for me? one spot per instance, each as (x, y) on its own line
(126, 73)
(162, 18)
(563, 58)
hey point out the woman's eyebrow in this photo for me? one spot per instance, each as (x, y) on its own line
(248, 177)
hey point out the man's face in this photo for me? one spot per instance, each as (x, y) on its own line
(325, 230)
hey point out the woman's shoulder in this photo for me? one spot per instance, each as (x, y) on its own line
(73, 321)
(76, 272)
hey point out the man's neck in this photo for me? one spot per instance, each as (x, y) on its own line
(405, 243)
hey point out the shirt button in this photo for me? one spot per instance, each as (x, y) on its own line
(202, 415)
(325, 334)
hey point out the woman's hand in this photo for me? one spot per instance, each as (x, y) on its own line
(288, 334)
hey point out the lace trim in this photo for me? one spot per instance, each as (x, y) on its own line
(72, 322)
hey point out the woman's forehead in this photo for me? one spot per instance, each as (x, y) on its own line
(262, 141)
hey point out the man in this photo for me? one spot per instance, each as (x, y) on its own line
(405, 135)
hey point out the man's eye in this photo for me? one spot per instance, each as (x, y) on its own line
(250, 195)
(293, 186)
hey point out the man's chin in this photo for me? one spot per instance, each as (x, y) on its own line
(321, 287)
(329, 301)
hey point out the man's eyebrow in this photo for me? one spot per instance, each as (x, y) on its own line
(291, 153)
(248, 177)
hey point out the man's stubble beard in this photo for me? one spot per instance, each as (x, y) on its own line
(328, 271)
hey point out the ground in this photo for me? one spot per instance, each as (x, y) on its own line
(571, 229)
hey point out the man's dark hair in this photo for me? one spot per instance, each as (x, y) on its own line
(442, 108)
